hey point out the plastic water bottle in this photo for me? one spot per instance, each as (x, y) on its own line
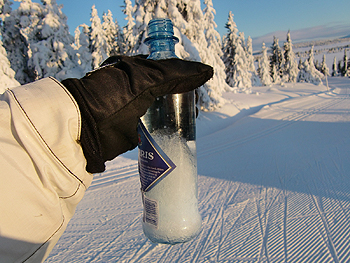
(167, 154)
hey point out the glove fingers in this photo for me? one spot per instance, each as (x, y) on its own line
(182, 76)
(163, 77)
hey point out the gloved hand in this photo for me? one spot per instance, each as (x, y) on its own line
(113, 98)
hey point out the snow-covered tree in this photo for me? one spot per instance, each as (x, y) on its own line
(177, 13)
(317, 65)
(290, 69)
(82, 45)
(128, 29)
(112, 32)
(300, 64)
(214, 47)
(5, 8)
(317, 75)
(241, 75)
(53, 54)
(143, 13)
(160, 10)
(308, 73)
(264, 67)
(324, 67)
(251, 63)
(229, 49)
(334, 68)
(7, 75)
(276, 58)
(99, 43)
(202, 33)
(19, 32)
(340, 68)
(345, 69)
(275, 76)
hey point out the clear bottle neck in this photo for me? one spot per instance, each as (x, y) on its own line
(161, 49)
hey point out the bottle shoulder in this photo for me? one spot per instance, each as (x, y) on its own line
(159, 55)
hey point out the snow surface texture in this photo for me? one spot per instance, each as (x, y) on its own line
(273, 186)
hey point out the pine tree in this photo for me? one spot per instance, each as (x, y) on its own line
(98, 40)
(53, 54)
(241, 75)
(214, 47)
(128, 29)
(324, 67)
(276, 58)
(177, 14)
(112, 33)
(334, 68)
(300, 64)
(143, 13)
(316, 75)
(264, 67)
(195, 20)
(7, 75)
(160, 10)
(340, 68)
(5, 8)
(308, 73)
(209, 95)
(229, 49)
(251, 63)
(19, 32)
(82, 45)
(345, 69)
(275, 75)
(198, 27)
(290, 70)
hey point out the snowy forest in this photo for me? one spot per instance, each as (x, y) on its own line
(35, 43)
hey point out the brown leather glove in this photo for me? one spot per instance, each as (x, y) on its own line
(113, 98)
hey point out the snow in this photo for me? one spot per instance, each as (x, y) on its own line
(273, 186)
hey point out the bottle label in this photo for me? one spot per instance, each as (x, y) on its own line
(150, 211)
(154, 164)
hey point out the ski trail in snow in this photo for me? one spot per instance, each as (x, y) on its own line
(285, 240)
(217, 222)
(264, 213)
(106, 247)
(264, 228)
(224, 234)
(287, 120)
(114, 176)
(317, 200)
(142, 252)
(340, 237)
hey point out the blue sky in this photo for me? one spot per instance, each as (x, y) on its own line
(260, 19)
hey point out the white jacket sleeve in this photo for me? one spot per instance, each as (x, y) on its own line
(42, 168)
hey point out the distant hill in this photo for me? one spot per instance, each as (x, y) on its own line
(323, 42)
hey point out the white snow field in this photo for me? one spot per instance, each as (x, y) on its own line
(274, 186)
